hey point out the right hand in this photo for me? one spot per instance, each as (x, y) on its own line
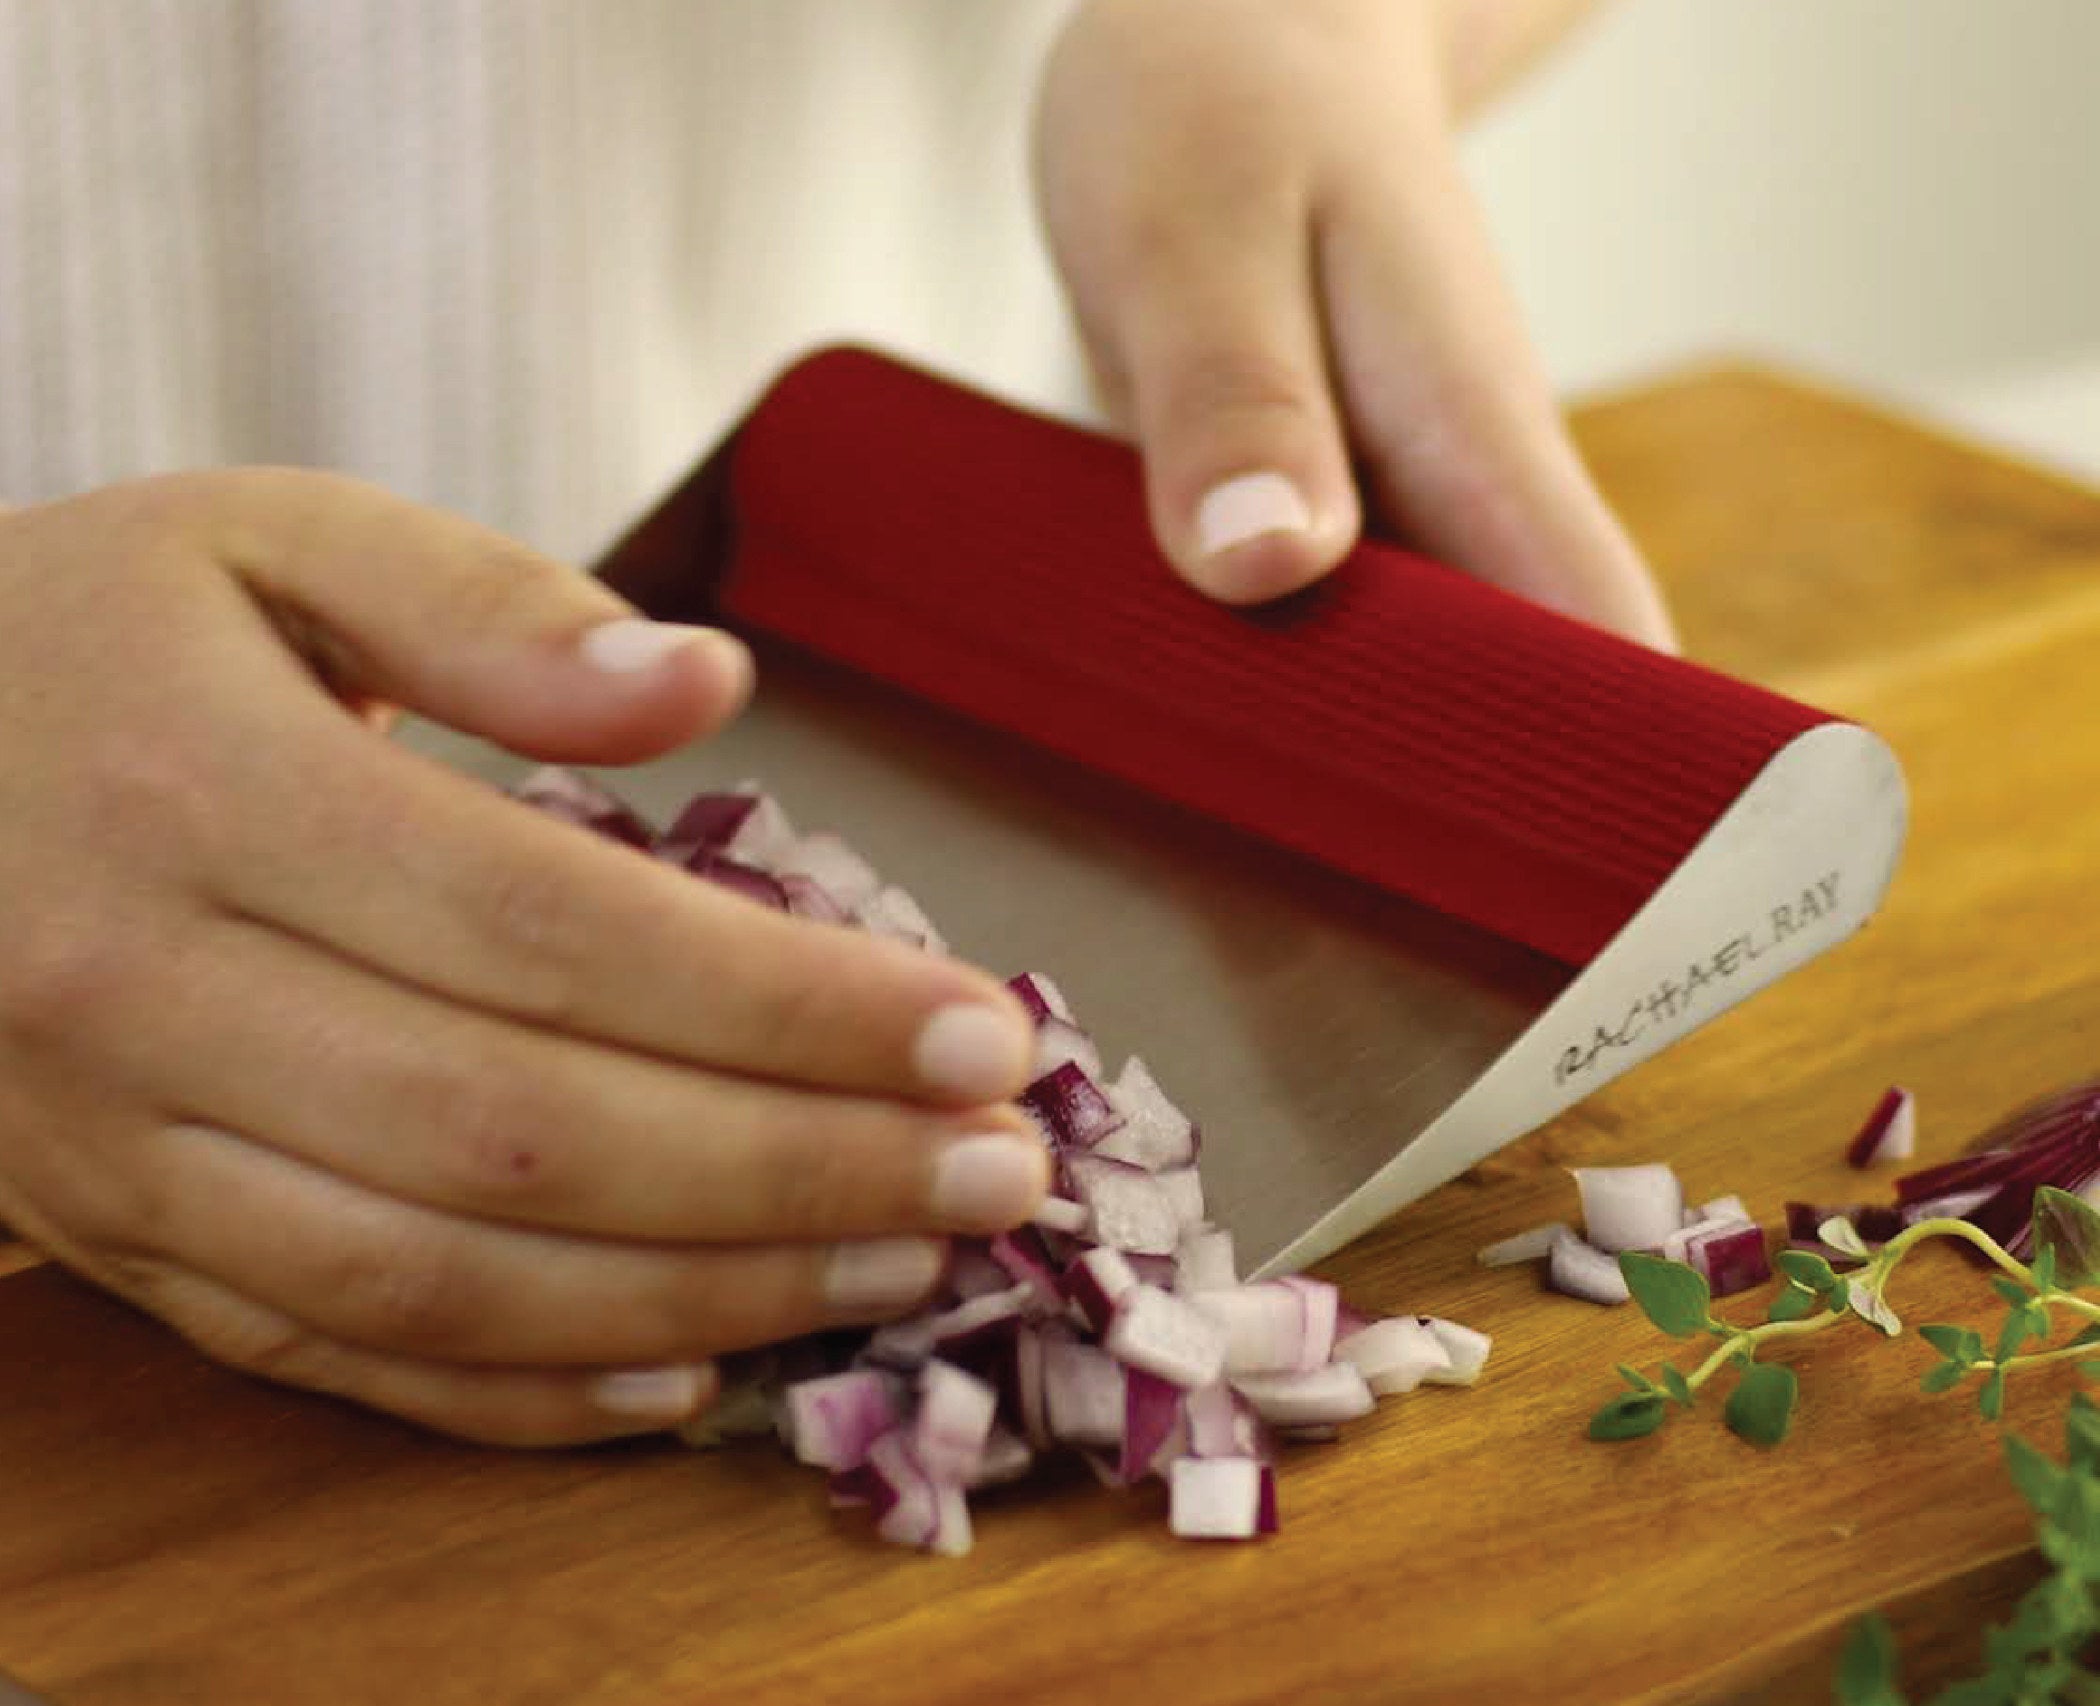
(370, 1080)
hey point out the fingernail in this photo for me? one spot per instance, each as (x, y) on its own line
(881, 1274)
(632, 645)
(1247, 507)
(990, 1182)
(979, 1053)
(650, 1394)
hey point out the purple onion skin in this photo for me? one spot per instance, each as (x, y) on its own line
(710, 821)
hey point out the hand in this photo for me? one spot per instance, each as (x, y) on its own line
(371, 1080)
(1276, 267)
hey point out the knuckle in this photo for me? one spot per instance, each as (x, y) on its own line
(495, 1131)
(530, 915)
(1237, 390)
(63, 977)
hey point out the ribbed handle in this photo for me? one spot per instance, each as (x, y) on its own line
(1400, 722)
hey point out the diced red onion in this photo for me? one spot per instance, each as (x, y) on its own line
(576, 798)
(893, 913)
(1890, 1132)
(807, 899)
(1221, 1498)
(1096, 1282)
(1205, 1260)
(1184, 1188)
(834, 1419)
(1729, 1256)
(1152, 1424)
(1629, 1208)
(1060, 1043)
(1721, 1209)
(1165, 1335)
(1394, 1355)
(1220, 1423)
(966, 1393)
(1264, 1326)
(1130, 1211)
(1467, 1348)
(953, 1423)
(1005, 1458)
(1525, 1246)
(1083, 1397)
(1062, 1214)
(1042, 998)
(828, 862)
(1155, 1134)
(1580, 1269)
(1333, 1393)
(1070, 1107)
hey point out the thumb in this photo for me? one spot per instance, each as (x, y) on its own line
(397, 604)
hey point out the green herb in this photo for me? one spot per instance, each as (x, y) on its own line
(2036, 1656)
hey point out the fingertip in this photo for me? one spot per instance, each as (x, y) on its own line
(1256, 536)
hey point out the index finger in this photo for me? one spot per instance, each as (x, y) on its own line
(442, 882)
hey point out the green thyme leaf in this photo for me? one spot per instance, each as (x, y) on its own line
(1867, 1672)
(2067, 1233)
(2012, 1335)
(1791, 1304)
(2039, 1480)
(1990, 1397)
(1635, 1378)
(1806, 1268)
(1676, 1385)
(1761, 1407)
(1629, 1416)
(1944, 1378)
(2082, 1433)
(1950, 1342)
(1670, 1294)
(2011, 1290)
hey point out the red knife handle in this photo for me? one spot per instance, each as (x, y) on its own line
(1401, 722)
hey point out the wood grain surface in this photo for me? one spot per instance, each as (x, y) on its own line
(171, 1533)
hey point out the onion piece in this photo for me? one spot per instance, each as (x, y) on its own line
(1155, 1134)
(953, 1423)
(1221, 1498)
(1580, 1269)
(1062, 1214)
(1205, 1260)
(1164, 1335)
(833, 1420)
(1466, 1347)
(1130, 1211)
(893, 913)
(1729, 1257)
(1184, 1190)
(1042, 998)
(1394, 1355)
(1264, 1324)
(1336, 1392)
(1525, 1246)
(1070, 1107)
(1083, 1396)
(579, 799)
(1096, 1282)
(828, 862)
(1629, 1208)
(1890, 1132)
(1060, 1043)
(1153, 1422)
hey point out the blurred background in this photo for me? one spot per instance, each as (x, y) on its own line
(1900, 194)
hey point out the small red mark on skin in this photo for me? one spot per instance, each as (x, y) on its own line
(522, 1163)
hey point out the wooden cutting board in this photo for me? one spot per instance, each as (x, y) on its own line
(170, 1532)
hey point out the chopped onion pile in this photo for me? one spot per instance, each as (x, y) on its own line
(1115, 1326)
(1640, 1208)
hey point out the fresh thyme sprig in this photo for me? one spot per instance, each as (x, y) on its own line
(2036, 1659)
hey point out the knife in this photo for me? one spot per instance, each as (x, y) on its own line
(1376, 880)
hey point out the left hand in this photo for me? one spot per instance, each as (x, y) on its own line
(1277, 269)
